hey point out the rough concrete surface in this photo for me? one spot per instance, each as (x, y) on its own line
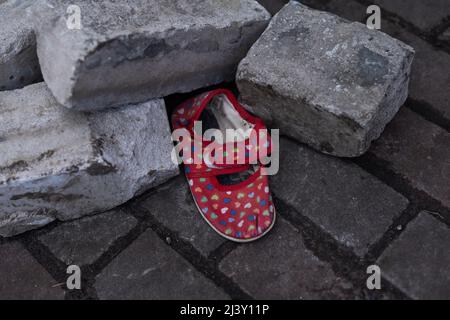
(132, 51)
(19, 65)
(60, 164)
(325, 81)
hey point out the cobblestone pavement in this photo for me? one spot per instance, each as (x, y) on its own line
(390, 207)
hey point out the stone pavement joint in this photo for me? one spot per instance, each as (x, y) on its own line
(423, 15)
(409, 241)
(280, 267)
(430, 35)
(343, 261)
(418, 199)
(173, 206)
(420, 155)
(82, 242)
(355, 208)
(187, 250)
(156, 273)
(22, 277)
(429, 113)
(45, 257)
(417, 262)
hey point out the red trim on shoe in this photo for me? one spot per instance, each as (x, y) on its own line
(241, 212)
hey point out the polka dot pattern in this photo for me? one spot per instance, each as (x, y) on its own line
(240, 212)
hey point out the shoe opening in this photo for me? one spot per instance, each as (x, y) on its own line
(220, 114)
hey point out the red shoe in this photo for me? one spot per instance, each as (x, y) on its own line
(234, 196)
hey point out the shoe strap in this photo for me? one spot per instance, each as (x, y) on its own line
(195, 171)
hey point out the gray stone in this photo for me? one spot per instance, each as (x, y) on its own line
(149, 269)
(132, 51)
(60, 164)
(351, 205)
(325, 81)
(173, 206)
(430, 71)
(23, 278)
(419, 151)
(19, 65)
(83, 241)
(418, 262)
(423, 14)
(280, 267)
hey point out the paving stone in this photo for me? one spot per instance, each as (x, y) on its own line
(348, 9)
(430, 75)
(23, 278)
(132, 51)
(83, 241)
(273, 6)
(279, 266)
(342, 199)
(419, 151)
(325, 81)
(149, 269)
(173, 206)
(19, 65)
(430, 71)
(418, 261)
(423, 14)
(60, 164)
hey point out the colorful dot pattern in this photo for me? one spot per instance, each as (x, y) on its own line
(241, 213)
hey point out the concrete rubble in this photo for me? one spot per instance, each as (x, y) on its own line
(96, 133)
(325, 81)
(132, 51)
(60, 164)
(19, 65)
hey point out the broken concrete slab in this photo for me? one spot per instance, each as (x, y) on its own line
(132, 51)
(19, 65)
(325, 81)
(61, 164)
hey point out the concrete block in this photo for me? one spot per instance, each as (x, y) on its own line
(19, 65)
(132, 51)
(59, 164)
(325, 81)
